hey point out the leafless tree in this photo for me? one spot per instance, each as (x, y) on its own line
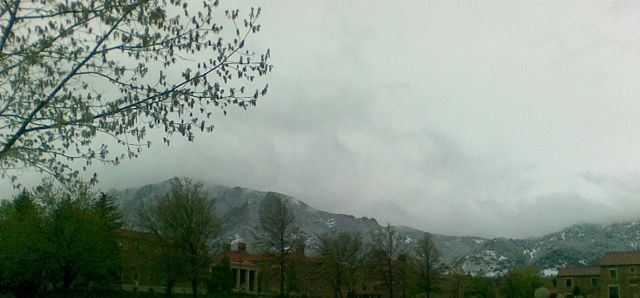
(184, 224)
(427, 259)
(278, 233)
(342, 255)
(388, 246)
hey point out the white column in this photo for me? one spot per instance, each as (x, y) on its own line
(255, 282)
(238, 278)
(246, 280)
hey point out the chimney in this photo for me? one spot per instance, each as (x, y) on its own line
(242, 246)
(300, 248)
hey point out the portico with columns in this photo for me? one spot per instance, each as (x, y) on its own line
(243, 268)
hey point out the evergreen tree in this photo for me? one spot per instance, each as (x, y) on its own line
(22, 246)
(83, 247)
(108, 210)
(53, 239)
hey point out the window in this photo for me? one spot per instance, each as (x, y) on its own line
(136, 276)
(613, 273)
(568, 283)
(595, 282)
(614, 292)
(633, 290)
(632, 269)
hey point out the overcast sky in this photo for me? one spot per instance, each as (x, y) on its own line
(489, 118)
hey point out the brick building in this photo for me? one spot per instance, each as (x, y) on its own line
(251, 273)
(140, 271)
(617, 276)
(259, 273)
(583, 281)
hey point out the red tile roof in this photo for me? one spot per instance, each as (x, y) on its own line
(621, 258)
(133, 234)
(579, 271)
(438, 276)
(236, 256)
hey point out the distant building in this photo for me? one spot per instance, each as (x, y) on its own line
(617, 276)
(252, 273)
(140, 271)
(259, 274)
(244, 268)
(583, 281)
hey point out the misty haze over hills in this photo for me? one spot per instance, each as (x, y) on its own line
(474, 120)
(578, 245)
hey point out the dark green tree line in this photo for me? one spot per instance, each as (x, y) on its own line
(521, 282)
(60, 240)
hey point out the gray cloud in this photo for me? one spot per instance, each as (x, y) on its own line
(487, 118)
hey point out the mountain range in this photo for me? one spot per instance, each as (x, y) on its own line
(578, 245)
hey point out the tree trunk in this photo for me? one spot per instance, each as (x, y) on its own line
(194, 287)
(282, 277)
(390, 283)
(428, 263)
(390, 279)
(337, 291)
(67, 279)
(428, 285)
(169, 289)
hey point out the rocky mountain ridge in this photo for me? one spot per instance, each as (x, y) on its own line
(578, 245)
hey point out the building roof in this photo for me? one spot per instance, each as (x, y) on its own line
(237, 256)
(132, 233)
(439, 276)
(621, 258)
(579, 271)
(245, 256)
